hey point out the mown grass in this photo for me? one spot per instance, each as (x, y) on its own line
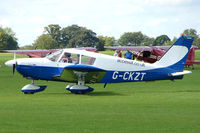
(143, 107)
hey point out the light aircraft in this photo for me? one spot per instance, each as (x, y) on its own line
(152, 53)
(81, 67)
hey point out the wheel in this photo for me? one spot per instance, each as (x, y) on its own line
(28, 92)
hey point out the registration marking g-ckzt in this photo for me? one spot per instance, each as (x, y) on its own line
(129, 76)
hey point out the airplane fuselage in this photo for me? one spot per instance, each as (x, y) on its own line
(113, 69)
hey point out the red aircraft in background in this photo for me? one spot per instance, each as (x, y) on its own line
(153, 53)
(32, 53)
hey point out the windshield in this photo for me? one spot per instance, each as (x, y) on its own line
(70, 58)
(54, 56)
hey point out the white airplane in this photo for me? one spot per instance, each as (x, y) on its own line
(81, 67)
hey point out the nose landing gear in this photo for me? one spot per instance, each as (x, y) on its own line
(32, 88)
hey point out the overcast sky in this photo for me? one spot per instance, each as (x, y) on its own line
(27, 18)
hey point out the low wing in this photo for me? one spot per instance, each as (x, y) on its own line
(92, 74)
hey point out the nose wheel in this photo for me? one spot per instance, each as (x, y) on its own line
(32, 88)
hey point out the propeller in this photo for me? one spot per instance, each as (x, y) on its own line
(14, 67)
(15, 64)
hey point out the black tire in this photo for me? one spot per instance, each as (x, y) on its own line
(28, 92)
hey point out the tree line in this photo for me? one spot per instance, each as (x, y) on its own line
(8, 39)
(68, 37)
(76, 36)
(55, 37)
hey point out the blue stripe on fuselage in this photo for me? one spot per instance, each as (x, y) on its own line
(39, 72)
(134, 76)
(47, 73)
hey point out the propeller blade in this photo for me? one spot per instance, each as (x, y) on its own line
(14, 66)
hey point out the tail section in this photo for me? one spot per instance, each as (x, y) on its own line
(176, 56)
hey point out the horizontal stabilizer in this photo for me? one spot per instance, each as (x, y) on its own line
(180, 73)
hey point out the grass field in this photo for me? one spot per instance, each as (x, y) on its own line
(144, 107)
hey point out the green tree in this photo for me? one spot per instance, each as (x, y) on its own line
(67, 35)
(193, 33)
(102, 39)
(161, 40)
(169, 43)
(131, 38)
(108, 41)
(77, 36)
(7, 40)
(54, 30)
(147, 41)
(100, 44)
(45, 41)
(190, 32)
(27, 47)
(72, 36)
(10, 32)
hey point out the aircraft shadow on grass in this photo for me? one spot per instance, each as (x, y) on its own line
(104, 93)
(101, 93)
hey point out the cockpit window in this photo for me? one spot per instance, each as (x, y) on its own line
(70, 58)
(76, 59)
(54, 56)
(87, 60)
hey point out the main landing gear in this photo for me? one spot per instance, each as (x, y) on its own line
(80, 87)
(32, 88)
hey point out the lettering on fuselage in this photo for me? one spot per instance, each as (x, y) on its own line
(128, 76)
(131, 62)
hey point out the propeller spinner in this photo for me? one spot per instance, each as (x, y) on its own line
(12, 63)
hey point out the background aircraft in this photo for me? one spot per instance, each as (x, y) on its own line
(153, 53)
(81, 66)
